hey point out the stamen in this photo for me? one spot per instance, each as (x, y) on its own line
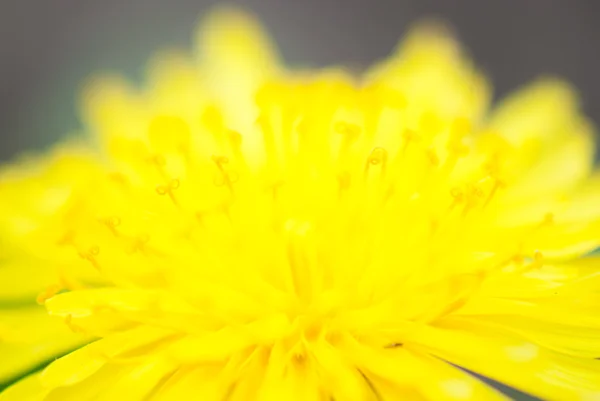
(168, 190)
(48, 293)
(139, 244)
(91, 256)
(378, 157)
(548, 220)
(112, 223)
(432, 157)
(538, 260)
(120, 179)
(497, 184)
(225, 177)
(473, 194)
(458, 194)
(409, 137)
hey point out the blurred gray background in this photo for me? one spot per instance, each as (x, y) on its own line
(47, 47)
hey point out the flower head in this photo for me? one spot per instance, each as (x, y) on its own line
(240, 231)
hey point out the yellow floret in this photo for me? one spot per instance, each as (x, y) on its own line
(238, 231)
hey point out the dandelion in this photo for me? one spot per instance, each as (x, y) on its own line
(238, 231)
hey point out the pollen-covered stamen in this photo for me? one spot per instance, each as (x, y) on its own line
(474, 194)
(225, 177)
(378, 157)
(91, 255)
(458, 196)
(409, 137)
(139, 244)
(112, 223)
(169, 190)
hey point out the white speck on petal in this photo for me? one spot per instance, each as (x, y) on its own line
(457, 388)
(522, 353)
(591, 397)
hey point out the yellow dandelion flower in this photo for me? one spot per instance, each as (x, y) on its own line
(239, 231)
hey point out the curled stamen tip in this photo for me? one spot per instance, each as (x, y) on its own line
(167, 189)
(457, 193)
(479, 192)
(377, 156)
(111, 223)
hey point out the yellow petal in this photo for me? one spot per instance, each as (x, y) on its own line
(512, 360)
(140, 382)
(28, 389)
(554, 142)
(22, 280)
(395, 371)
(434, 76)
(28, 337)
(235, 56)
(80, 364)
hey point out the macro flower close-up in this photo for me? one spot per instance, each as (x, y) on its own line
(232, 228)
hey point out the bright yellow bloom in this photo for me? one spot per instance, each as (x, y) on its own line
(238, 231)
